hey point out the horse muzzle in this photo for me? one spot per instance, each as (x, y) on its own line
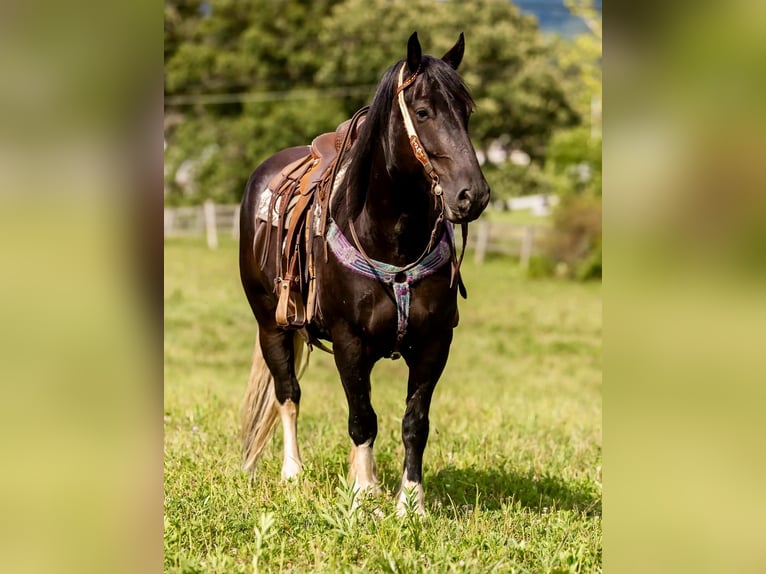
(467, 204)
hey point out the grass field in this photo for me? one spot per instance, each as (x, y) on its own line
(511, 471)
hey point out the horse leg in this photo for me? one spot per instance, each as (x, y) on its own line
(355, 368)
(426, 365)
(283, 353)
(280, 352)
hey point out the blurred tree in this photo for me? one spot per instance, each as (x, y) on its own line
(181, 21)
(242, 45)
(579, 59)
(574, 158)
(230, 48)
(574, 155)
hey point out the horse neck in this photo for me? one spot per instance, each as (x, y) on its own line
(397, 216)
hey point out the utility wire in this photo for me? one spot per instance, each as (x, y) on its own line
(272, 96)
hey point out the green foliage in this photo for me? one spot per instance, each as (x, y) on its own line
(343, 516)
(509, 180)
(263, 532)
(590, 267)
(511, 473)
(574, 165)
(574, 158)
(229, 144)
(575, 241)
(540, 266)
(579, 60)
(240, 46)
(506, 65)
(243, 45)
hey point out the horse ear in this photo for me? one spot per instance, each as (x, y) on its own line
(455, 55)
(414, 53)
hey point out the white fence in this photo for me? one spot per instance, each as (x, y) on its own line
(540, 204)
(492, 237)
(209, 220)
(485, 237)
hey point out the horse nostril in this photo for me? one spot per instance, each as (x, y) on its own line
(464, 195)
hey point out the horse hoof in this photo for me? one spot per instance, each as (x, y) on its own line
(402, 509)
(410, 499)
(290, 470)
(366, 489)
(371, 489)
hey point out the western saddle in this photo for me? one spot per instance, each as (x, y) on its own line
(300, 193)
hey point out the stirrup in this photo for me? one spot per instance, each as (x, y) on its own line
(290, 309)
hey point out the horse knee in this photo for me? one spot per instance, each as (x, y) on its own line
(290, 390)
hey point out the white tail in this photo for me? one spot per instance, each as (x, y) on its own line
(260, 409)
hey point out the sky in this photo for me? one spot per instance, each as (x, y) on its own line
(553, 16)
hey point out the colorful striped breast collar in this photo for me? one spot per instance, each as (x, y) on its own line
(398, 277)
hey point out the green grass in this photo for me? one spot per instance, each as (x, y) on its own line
(512, 477)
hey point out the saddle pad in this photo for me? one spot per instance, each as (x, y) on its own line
(265, 202)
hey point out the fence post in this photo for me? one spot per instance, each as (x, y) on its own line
(235, 222)
(210, 224)
(482, 240)
(527, 243)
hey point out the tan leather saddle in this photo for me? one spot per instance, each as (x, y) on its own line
(295, 192)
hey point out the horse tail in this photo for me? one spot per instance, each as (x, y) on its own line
(260, 409)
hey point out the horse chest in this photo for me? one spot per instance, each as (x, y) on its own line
(370, 306)
(433, 306)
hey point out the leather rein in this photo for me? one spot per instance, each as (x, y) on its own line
(436, 191)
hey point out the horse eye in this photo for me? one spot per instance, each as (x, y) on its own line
(422, 114)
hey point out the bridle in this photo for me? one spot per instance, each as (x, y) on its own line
(436, 189)
(417, 147)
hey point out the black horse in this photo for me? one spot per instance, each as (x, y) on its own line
(386, 272)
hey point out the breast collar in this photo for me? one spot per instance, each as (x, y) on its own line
(400, 278)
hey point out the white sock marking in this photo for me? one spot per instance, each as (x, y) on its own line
(409, 486)
(291, 463)
(363, 469)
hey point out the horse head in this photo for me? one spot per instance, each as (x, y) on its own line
(433, 108)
